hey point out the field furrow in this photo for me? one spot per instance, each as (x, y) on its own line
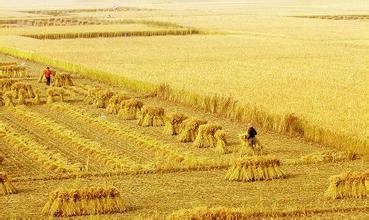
(124, 131)
(37, 152)
(73, 139)
(121, 146)
(52, 141)
(15, 166)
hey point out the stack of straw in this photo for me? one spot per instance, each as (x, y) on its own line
(16, 87)
(221, 142)
(189, 129)
(205, 136)
(151, 116)
(114, 103)
(6, 84)
(85, 201)
(7, 186)
(173, 123)
(348, 185)
(62, 79)
(55, 92)
(130, 109)
(102, 98)
(8, 98)
(255, 169)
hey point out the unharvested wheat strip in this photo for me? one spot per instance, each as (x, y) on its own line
(122, 131)
(30, 147)
(83, 144)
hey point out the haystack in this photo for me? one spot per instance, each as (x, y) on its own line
(348, 185)
(102, 98)
(85, 201)
(205, 136)
(62, 79)
(55, 92)
(247, 149)
(7, 64)
(114, 103)
(22, 97)
(6, 84)
(29, 93)
(255, 169)
(6, 184)
(221, 142)
(37, 100)
(189, 129)
(151, 116)
(1, 157)
(173, 123)
(92, 95)
(8, 99)
(130, 109)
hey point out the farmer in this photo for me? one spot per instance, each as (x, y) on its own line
(48, 74)
(251, 133)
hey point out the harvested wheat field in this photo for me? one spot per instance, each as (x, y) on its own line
(148, 109)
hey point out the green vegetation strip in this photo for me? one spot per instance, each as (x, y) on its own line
(226, 107)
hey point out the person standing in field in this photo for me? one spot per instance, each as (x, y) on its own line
(48, 74)
(251, 135)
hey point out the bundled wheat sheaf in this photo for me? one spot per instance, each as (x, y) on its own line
(189, 129)
(173, 123)
(151, 116)
(37, 100)
(28, 89)
(7, 64)
(6, 184)
(92, 95)
(130, 109)
(102, 97)
(85, 201)
(13, 71)
(56, 92)
(8, 98)
(255, 169)
(205, 136)
(62, 79)
(115, 103)
(221, 142)
(348, 185)
(247, 149)
(6, 84)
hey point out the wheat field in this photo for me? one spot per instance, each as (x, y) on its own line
(150, 99)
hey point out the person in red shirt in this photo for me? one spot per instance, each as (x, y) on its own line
(48, 74)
